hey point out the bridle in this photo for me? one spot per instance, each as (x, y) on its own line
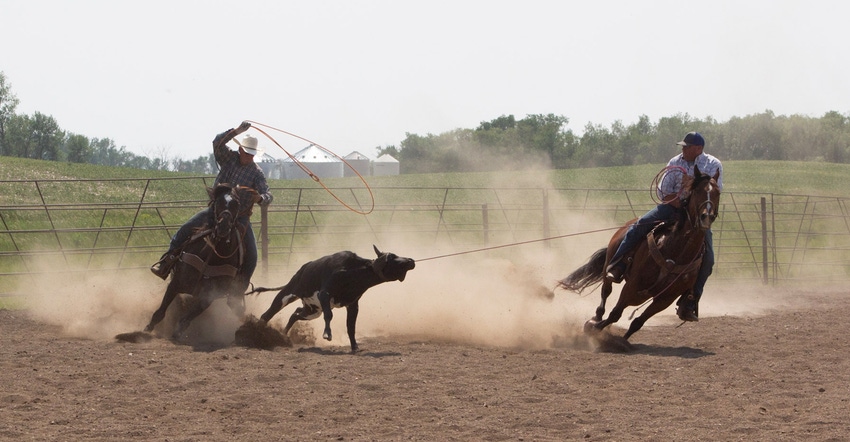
(216, 236)
(706, 206)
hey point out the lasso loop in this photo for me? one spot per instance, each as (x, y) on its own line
(659, 178)
(310, 173)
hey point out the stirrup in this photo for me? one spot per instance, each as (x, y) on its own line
(163, 267)
(615, 272)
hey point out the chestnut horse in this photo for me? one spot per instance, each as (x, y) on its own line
(211, 259)
(663, 267)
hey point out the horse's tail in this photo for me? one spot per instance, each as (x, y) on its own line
(589, 274)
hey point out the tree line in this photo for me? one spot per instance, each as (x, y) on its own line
(504, 143)
(39, 136)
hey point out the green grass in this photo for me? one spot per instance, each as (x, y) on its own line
(785, 177)
(12, 303)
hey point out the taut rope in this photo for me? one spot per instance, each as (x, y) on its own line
(517, 243)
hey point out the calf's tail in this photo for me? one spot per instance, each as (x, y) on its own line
(264, 289)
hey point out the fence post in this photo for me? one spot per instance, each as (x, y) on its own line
(264, 236)
(485, 222)
(546, 227)
(764, 239)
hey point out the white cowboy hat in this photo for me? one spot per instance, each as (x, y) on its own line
(249, 145)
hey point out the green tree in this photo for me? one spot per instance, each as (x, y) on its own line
(545, 134)
(390, 150)
(17, 137)
(77, 148)
(105, 152)
(8, 104)
(833, 140)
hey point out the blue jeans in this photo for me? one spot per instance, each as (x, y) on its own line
(706, 267)
(638, 231)
(664, 212)
(205, 218)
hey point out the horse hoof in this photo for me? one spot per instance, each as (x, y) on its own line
(590, 326)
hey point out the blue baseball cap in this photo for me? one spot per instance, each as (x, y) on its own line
(692, 139)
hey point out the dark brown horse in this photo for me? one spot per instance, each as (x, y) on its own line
(663, 267)
(211, 259)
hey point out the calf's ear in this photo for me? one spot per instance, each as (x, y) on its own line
(378, 252)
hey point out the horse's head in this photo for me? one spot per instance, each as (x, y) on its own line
(391, 267)
(246, 197)
(225, 208)
(704, 198)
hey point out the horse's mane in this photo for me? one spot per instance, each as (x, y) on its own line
(690, 183)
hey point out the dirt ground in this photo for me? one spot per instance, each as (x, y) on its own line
(762, 364)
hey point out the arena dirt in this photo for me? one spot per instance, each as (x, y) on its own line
(480, 353)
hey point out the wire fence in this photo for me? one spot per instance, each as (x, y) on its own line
(125, 224)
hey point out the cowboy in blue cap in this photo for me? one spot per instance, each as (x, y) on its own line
(692, 155)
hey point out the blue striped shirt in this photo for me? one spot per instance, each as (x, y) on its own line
(672, 182)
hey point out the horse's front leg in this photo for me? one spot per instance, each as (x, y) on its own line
(196, 309)
(159, 314)
(658, 304)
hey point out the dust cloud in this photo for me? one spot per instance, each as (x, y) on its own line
(502, 297)
(91, 303)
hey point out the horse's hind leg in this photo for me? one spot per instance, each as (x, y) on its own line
(613, 317)
(606, 291)
(159, 314)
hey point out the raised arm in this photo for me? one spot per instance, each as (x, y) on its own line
(220, 149)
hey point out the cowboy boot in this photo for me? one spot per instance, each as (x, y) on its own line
(163, 267)
(617, 270)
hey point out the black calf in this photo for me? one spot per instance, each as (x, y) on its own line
(334, 281)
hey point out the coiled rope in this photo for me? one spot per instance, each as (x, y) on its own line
(310, 173)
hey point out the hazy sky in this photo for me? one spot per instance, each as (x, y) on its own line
(166, 76)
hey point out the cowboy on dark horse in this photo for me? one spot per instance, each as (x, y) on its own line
(236, 169)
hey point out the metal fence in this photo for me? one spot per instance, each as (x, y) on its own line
(124, 224)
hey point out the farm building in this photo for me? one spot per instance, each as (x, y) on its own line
(321, 163)
(272, 168)
(358, 162)
(385, 165)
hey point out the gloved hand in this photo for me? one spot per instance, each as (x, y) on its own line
(243, 127)
(264, 199)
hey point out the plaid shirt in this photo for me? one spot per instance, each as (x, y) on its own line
(234, 173)
(672, 182)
